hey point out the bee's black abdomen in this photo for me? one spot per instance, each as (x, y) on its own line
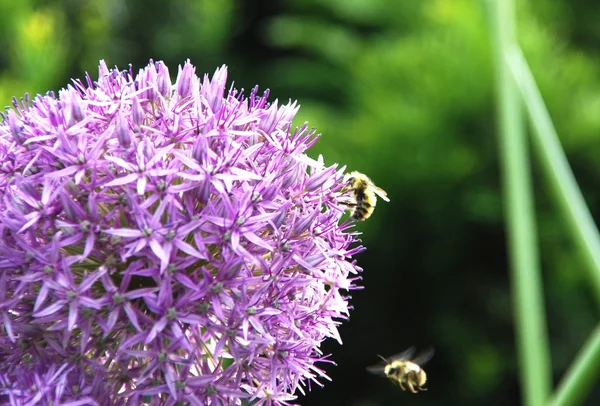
(360, 213)
(359, 195)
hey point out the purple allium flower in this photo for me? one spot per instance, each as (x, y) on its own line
(165, 244)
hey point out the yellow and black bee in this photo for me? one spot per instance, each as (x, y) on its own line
(405, 369)
(365, 194)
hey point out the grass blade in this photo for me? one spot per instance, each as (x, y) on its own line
(556, 166)
(528, 301)
(582, 375)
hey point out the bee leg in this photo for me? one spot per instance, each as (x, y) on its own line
(412, 389)
(422, 389)
(349, 204)
(401, 386)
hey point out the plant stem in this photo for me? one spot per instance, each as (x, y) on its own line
(529, 313)
(582, 375)
(557, 168)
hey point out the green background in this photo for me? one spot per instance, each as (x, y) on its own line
(402, 91)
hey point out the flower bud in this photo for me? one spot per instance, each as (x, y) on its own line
(137, 113)
(16, 128)
(184, 79)
(163, 80)
(122, 131)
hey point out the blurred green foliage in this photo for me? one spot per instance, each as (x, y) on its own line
(402, 91)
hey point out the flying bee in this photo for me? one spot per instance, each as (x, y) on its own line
(405, 369)
(365, 194)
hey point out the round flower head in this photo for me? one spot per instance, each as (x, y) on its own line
(165, 244)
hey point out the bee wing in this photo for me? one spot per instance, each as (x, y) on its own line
(423, 357)
(404, 356)
(377, 369)
(380, 192)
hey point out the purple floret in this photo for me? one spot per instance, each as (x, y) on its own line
(166, 244)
